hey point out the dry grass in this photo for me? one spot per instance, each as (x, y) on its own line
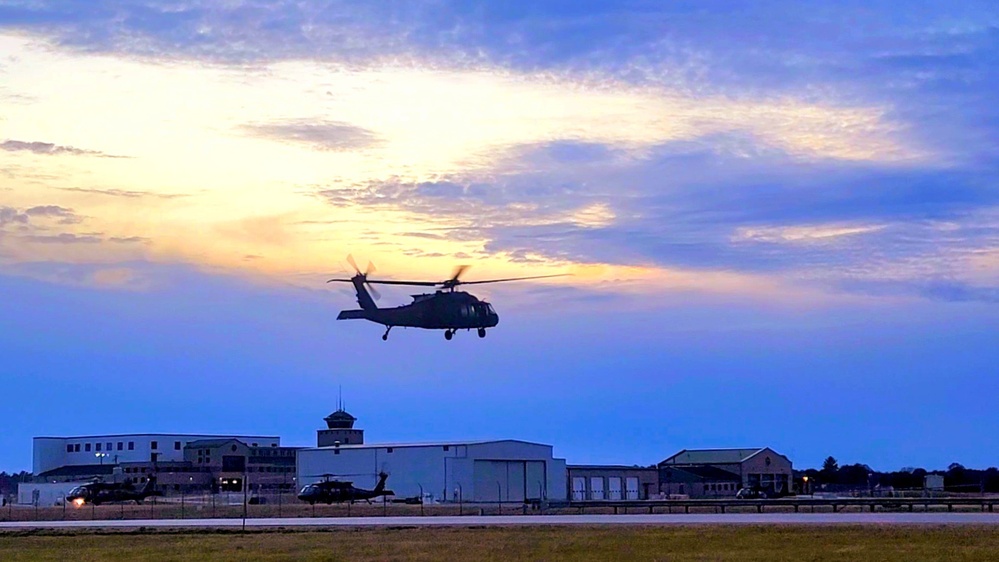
(716, 542)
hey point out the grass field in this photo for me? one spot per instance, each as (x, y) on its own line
(770, 543)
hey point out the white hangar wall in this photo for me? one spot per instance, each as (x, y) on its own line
(484, 471)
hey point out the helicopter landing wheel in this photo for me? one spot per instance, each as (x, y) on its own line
(385, 335)
(482, 332)
(448, 334)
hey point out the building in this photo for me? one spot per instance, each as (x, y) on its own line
(96, 451)
(178, 460)
(608, 482)
(698, 482)
(339, 430)
(472, 471)
(722, 472)
(505, 470)
(233, 462)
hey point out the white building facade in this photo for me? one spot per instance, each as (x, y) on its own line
(470, 471)
(49, 453)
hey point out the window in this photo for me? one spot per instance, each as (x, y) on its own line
(389, 450)
(69, 448)
(86, 447)
(176, 445)
(153, 445)
(119, 445)
(76, 447)
(98, 447)
(131, 445)
(108, 448)
(336, 451)
(447, 448)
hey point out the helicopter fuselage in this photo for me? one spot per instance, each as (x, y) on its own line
(443, 310)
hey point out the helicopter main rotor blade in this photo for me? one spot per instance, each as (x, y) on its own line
(511, 279)
(350, 260)
(457, 273)
(414, 283)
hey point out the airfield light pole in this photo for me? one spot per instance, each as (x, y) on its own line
(284, 479)
(459, 499)
(499, 498)
(246, 486)
(421, 498)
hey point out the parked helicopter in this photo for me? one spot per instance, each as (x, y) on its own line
(330, 490)
(445, 309)
(99, 492)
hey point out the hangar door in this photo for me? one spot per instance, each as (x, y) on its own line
(508, 481)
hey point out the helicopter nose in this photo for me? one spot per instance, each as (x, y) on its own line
(493, 319)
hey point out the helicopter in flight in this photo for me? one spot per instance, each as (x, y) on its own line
(98, 492)
(330, 490)
(445, 309)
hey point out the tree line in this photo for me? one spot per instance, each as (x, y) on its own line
(957, 477)
(9, 482)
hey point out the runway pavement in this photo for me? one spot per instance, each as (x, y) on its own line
(465, 521)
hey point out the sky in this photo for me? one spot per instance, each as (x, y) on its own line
(780, 221)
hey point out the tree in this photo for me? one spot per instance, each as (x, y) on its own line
(830, 471)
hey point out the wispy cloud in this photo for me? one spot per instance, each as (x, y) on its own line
(50, 149)
(318, 134)
(130, 194)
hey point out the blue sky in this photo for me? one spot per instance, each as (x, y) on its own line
(782, 222)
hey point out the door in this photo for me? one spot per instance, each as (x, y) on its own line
(536, 484)
(596, 487)
(500, 481)
(578, 488)
(631, 488)
(614, 488)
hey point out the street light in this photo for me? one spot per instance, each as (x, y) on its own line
(101, 457)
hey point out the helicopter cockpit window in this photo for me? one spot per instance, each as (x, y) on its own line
(489, 309)
(77, 491)
(311, 488)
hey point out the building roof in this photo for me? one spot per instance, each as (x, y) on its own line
(208, 443)
(423, 444)
(608, 467)
(78, 470)
(712, 456)
(340, 419)
(123, 435)
(708, 473)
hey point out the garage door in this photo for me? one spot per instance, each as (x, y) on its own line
(500, 481)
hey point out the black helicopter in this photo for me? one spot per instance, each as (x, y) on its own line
(445, 309)
(98, 492)
(330, 490)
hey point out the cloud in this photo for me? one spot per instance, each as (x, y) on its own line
(49, 149)
(321, 135)
(9, 215)
(804, 233)
(64, 238)
(124, 193)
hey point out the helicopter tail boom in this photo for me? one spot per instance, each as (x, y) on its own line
(363, 297)
(352, 315)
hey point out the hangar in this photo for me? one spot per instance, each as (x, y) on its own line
(504, 470)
